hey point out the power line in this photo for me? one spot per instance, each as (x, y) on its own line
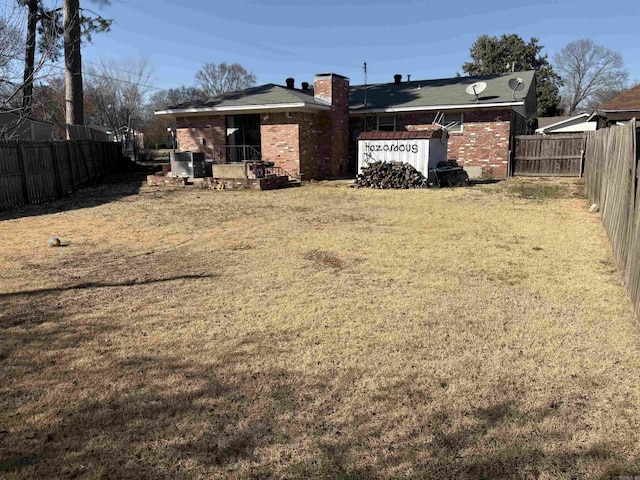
(94, 64)
(104, 77)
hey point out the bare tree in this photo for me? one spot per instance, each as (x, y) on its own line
(589, 72)
(11, 54)
(49, 102)
(18, 65)
(215, 79)
(118, 90)
(45, 35)
(156, 127)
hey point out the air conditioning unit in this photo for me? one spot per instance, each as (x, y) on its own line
(188, 164)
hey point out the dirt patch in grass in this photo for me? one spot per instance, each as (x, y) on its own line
(316, 333)
(324, 258)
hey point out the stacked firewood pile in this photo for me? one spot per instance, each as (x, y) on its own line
(390, 175)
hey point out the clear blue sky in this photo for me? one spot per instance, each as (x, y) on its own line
(276, 39)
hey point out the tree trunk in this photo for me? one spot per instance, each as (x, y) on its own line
(73, 63)
(29, 57)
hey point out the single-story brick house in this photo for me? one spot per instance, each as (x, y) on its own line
(311, 132)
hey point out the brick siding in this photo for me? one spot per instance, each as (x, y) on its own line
(212, 129)
(280, 140)
(484, 140)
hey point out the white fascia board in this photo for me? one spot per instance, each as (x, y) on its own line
(562, 124)
(437, 107)
(277, 107)
(570, 128)
(567, 121)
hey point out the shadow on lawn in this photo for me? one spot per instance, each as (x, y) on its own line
(154, 414)
(108, 189)
(96, 285)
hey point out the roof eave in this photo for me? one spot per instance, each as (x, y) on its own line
(627, 110)
(265, 108)
(568, 121)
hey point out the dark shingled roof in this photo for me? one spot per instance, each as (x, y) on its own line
(269, 94)
(546, 121)
(628, 100)
(442, 92)
(417, 94)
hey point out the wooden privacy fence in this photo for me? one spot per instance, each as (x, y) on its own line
(560, 155)
(612, 182)
(36, 172)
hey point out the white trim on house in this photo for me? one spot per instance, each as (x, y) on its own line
(277, 107)
(577, 123)
(305, 107)
(435, 107)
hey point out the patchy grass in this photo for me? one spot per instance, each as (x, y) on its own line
(315, 333)
(540, 189)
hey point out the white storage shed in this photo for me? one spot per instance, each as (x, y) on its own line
(422, 149)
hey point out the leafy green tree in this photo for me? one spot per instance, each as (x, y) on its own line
(510, 53)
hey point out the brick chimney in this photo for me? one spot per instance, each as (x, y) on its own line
(333, 151)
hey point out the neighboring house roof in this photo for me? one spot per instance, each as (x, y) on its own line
(546, 121)
(442, 94)
(578, 123)
(263, 98)
(21, 115)
(627, 101)
(19, 126)
(101, 128)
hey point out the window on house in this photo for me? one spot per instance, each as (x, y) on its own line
(385, 123)
(453, 117)
(370, 123)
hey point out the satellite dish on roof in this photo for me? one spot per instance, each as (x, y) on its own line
(476, 89)
(516, 85)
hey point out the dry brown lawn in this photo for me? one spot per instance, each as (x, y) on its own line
(317, 332)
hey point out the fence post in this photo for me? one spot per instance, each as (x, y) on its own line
(84, 162)
(67, 145)
(22, 160)
(56, 169)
